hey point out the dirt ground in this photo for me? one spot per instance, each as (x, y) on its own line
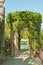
(22, 59)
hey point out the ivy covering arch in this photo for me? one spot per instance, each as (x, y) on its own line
(32, 20)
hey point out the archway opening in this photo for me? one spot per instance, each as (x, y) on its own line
(32, 21)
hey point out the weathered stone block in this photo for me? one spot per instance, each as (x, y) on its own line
(2, 10)
(2, 1)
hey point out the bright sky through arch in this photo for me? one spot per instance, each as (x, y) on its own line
(31, 5)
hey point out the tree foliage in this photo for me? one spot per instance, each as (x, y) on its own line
(41, 37)
(19, 20)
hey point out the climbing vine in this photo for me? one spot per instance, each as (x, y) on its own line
(31, 20)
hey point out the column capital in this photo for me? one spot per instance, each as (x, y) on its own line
(2, 10)
(2, 1)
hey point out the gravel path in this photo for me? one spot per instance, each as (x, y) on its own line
(22, 59)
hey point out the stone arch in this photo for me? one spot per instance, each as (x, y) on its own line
(16, 46)
(32, 21)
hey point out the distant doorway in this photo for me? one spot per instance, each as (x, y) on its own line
(24, 44)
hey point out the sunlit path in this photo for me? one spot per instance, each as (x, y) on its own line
(23, 55)
(22, 59)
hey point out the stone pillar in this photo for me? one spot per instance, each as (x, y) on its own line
(15, 44)
(2, 27)
(11, 42)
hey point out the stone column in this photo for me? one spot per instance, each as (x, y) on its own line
(2, 27)
(15, 44)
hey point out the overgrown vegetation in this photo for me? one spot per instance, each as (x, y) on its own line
(41, 37)
(26, 21)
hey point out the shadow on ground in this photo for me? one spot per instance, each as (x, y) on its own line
(22, 59)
